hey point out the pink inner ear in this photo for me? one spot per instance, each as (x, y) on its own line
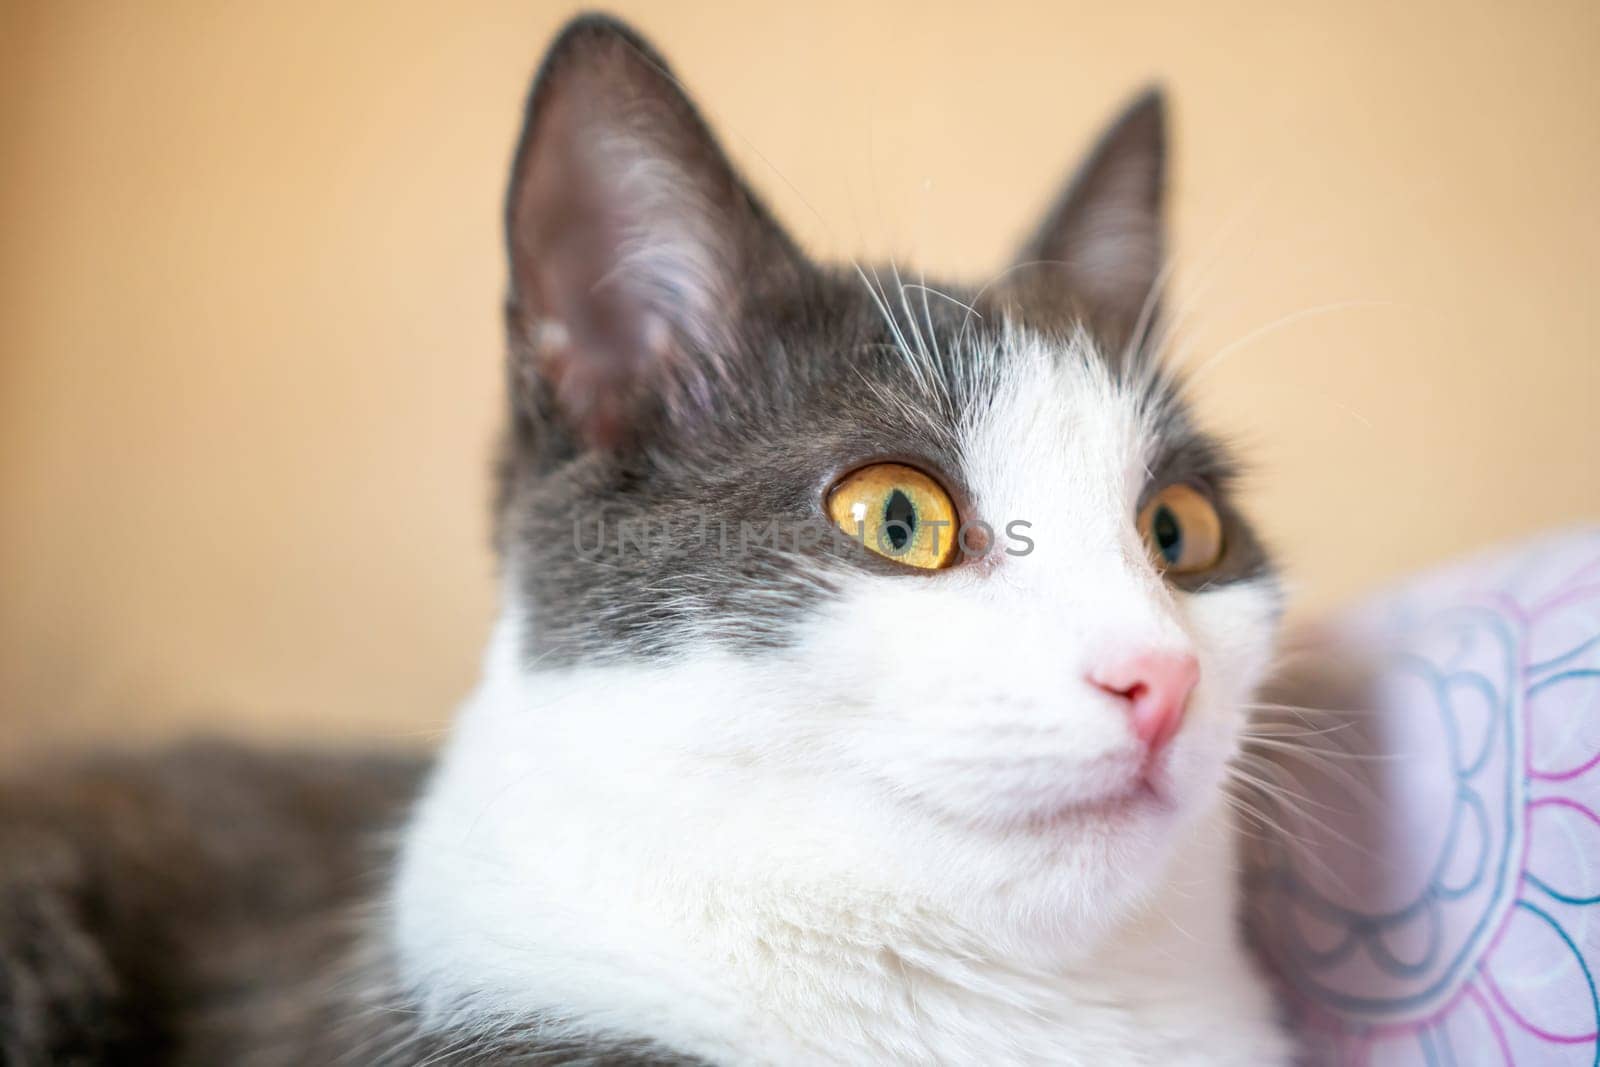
(588, 330)
(609, 257)
(633, 241)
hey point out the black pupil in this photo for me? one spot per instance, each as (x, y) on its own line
(1168, 534)
(899, 519)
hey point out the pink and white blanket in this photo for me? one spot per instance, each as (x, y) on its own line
(1428, 891)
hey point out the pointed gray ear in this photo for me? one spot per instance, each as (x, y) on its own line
(1097, 256)
(633, 243)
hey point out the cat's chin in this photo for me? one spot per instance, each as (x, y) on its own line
(1143, 799)
(1140, 812)
(1088, 800)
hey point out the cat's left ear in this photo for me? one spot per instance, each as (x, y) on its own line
(636, 250)
(1097, 256)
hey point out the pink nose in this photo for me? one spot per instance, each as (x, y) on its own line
(1156, 686)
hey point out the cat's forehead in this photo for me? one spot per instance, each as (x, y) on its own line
(997, 402)
(1051, 429)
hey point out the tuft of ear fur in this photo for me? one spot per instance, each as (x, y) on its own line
(633, 243)
(1097, 255)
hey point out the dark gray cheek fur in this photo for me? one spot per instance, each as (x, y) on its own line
(715, 529)
(638, 553)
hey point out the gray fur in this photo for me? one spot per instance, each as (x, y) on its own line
(208, 906)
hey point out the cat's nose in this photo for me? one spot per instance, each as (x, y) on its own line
(1155, 687)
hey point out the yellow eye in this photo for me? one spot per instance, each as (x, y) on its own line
(1182, 529)
(898, 512)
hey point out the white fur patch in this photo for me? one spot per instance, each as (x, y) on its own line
(886, 842)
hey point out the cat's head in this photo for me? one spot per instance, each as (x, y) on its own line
(697, 410)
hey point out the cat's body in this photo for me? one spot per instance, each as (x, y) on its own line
(737, 791)
(216, 905)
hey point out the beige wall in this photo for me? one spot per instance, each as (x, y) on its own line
(249, 276)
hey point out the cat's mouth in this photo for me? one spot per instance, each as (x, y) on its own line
(1145, 796)
(1143, 790)
(1144, 793)
(1047, 792)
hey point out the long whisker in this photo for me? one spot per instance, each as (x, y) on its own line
(1273, 834)
(1289, 744)
(1002, 275)
(1364, 794)
(1275, 787)
(1216, 244)
(881, 300)
(1296, 802)
(1266, 329)
(927, 317)
(944, 296)
(1307, 711)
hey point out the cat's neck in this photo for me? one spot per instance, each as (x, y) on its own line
(754, 919)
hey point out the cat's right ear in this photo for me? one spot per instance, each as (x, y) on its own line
(1096, 258)
(633, 245)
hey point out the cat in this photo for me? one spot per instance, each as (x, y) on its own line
(870, 660)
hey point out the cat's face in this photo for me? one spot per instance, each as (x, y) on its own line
(695, 406)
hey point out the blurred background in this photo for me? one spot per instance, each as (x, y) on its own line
(250, 274)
